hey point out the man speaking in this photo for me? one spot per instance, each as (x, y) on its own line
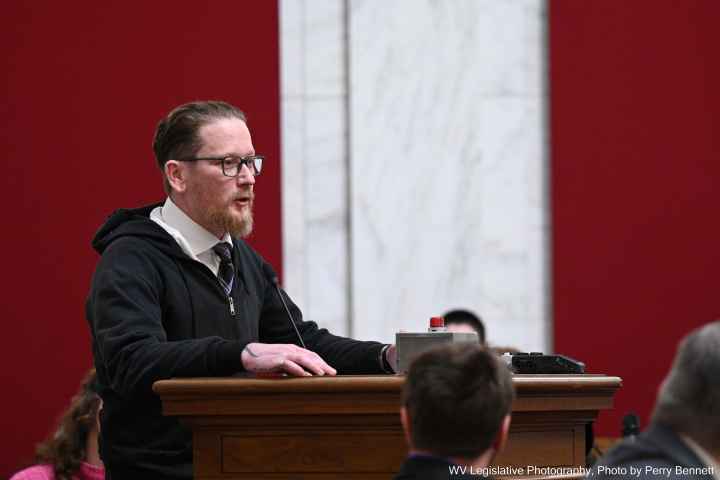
(178, 293)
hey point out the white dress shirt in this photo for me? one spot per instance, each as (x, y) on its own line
(194, 240)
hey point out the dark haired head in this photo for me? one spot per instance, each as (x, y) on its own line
(466, 317)
(456, 398)
(176, 136)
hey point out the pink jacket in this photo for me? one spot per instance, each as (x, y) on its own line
(45, 472)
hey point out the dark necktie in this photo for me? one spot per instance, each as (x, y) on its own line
(226, 272)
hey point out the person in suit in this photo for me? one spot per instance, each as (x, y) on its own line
(465, 321)
(683, 438)
(460, 320)
(455, 412)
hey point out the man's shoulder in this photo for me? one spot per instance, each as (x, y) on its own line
(423, 467)
(133, 258)
(658, 452)
(124, 249)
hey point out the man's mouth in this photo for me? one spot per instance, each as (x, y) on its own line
(244, 200)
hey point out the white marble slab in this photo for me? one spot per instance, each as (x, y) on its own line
(326, 214)
(443, 161)
(447, 160)
(294, 242)
(314, 151)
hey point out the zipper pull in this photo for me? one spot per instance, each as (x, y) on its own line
(232, 306)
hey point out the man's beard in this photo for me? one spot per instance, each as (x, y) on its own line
(223, 219)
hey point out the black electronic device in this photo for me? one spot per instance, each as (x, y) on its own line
(630, 425)
(536, 362)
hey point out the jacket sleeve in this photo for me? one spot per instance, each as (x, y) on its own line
(346, 355)
(125, 315)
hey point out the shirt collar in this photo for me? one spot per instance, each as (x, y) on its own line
(197, 237)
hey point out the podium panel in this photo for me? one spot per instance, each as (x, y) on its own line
(349, 426)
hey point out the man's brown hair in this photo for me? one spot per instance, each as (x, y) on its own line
(457, 397)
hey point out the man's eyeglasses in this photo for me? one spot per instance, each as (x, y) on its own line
(232, 165)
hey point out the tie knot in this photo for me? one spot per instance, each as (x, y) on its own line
(222, 249)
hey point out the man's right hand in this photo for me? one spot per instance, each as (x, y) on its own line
(287, 358)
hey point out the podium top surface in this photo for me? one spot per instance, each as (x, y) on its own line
(362, 395)
(363, 383)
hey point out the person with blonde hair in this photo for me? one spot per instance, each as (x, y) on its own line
(71, 451)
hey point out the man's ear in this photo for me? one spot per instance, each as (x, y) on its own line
(176, 175)
(405, 420)
(501, 438)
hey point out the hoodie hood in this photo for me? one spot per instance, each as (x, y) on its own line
(135, 223)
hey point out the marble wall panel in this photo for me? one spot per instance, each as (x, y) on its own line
(447, 154)
(414, 164)
(314, 151)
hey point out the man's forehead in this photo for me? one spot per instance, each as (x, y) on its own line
(226, 133)
(224, 127)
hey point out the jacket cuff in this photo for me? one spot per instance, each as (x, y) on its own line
(227, 359)
(383, 361)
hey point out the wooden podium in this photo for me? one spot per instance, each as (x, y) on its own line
(349, 426)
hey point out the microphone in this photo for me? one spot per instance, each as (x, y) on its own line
(631, 425)
(272, 277)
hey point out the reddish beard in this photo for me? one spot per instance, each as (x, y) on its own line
(228, 220)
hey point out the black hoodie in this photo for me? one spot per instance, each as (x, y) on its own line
(156, 313)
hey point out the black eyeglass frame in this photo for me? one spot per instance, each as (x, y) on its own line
(249, 161)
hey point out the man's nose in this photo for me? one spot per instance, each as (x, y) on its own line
(246, 176)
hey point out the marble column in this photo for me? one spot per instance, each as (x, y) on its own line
(414, 159)
(314, 159)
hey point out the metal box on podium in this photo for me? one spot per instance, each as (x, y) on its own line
(409, 345)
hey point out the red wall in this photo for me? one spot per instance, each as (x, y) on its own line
(85, 83)
(635, 110)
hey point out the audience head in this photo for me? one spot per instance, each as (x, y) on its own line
(689, 397)
(456, 403)
(465, 321)
(70, 443)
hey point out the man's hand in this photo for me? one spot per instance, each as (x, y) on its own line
(391, 356)
(291, 359)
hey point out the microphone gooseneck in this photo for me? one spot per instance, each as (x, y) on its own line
(276, 283)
